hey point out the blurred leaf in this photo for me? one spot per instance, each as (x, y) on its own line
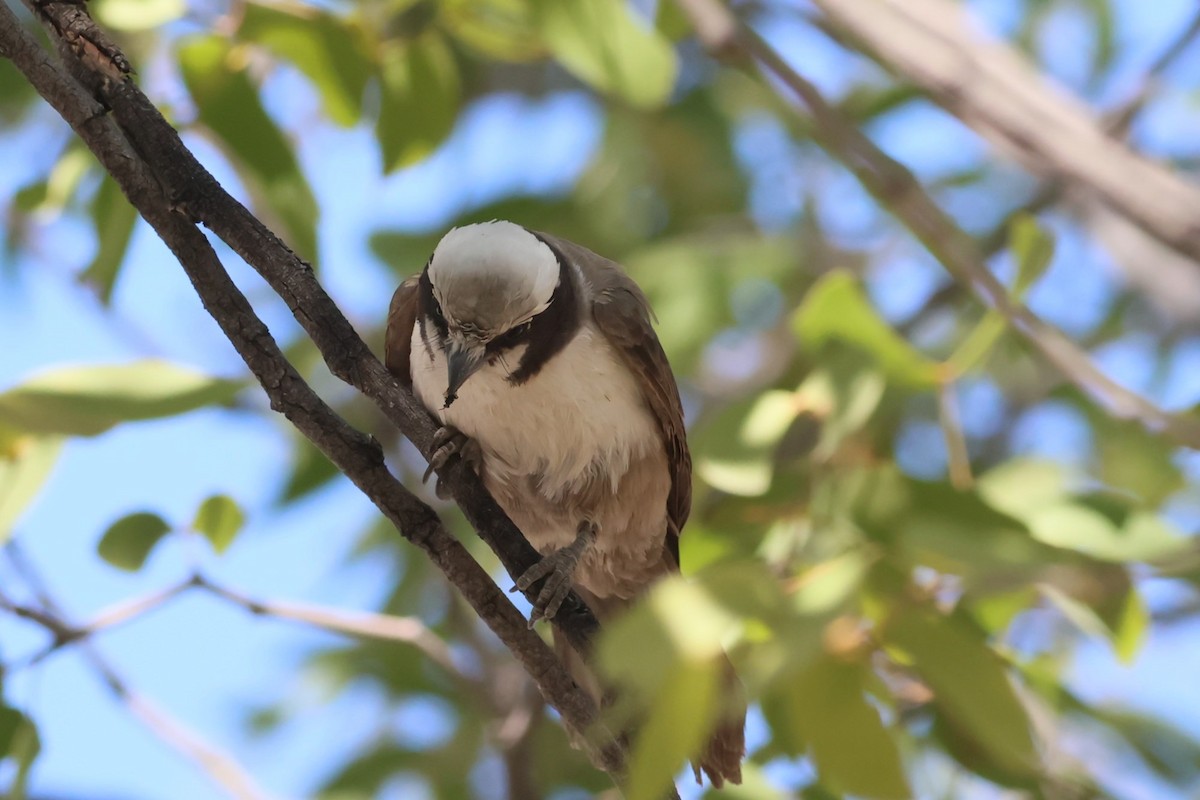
(137, 15)
(128, 541)
(853, 752)
(113, 218)
(329, 50)
(88, 400)
(602, 44)
(229, 106)
(1033, 249)
(219, 519)
(836, 308)
(679, 720)
(1021, 485)
(421, 95)
(500, 29)
(308, 470)
(1169, 751)
(1125, 633)
(970, 684)
(1142, 537)
(20, 745)
(24, 467)
(737, 446)
(1129, 458)
(16, 94)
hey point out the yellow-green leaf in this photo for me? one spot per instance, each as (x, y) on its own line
(87, 400)
(219, 519)
(24, 467)
(836, 308)
(128, 541)
(137, 15)
(602, 44)
(678, 723)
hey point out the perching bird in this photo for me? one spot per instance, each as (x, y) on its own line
(538, 358)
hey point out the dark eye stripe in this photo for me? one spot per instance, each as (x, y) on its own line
(510, 338)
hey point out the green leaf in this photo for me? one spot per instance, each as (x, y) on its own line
(23, 469)
(1032, 248)
(229, 106)
(137, 15)
(20, 744)
(836, 308)
(602, 44)
(421, 94)
(219, 519)
(327, 49)
(85, 401)
(740, 441)
(679, 720)
(499, 29)
(1167, 750)
(1141, 537)
(113, 218)
(128, 541)
(1125, 632)
(1021, 485)
(970, 684)
(853, 752)
(1129, 458)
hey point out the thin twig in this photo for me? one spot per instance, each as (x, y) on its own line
(218, 765)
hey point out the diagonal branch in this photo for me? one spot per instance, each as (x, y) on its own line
(991, 88)
(354, 453)
(898, 191)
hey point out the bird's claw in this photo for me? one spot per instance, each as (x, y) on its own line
(558, 570)
(449, 441)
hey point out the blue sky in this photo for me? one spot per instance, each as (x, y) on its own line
(207, 662)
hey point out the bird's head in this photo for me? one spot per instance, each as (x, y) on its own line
(482, 290)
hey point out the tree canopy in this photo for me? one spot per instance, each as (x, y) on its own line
(925, 270)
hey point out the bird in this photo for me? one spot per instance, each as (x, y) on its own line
(539, 360)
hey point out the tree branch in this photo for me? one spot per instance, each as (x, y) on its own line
(898, 191)
(991, 88)
(153, 161)
(218, 765)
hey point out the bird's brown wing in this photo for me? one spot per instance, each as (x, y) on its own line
(623, 315)
(397, 341)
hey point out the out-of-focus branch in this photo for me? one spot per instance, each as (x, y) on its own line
(991, 88)
(218, 765)
(898, 191)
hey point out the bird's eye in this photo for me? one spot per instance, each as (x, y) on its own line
(511, 337)
(437, 314)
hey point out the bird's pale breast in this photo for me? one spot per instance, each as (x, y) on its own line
(576, 440)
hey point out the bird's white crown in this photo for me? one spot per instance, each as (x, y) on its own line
(492, 275)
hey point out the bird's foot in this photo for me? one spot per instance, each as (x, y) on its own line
(449, 441)
(558, 568)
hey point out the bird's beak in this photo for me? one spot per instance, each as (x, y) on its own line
(462, 359)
